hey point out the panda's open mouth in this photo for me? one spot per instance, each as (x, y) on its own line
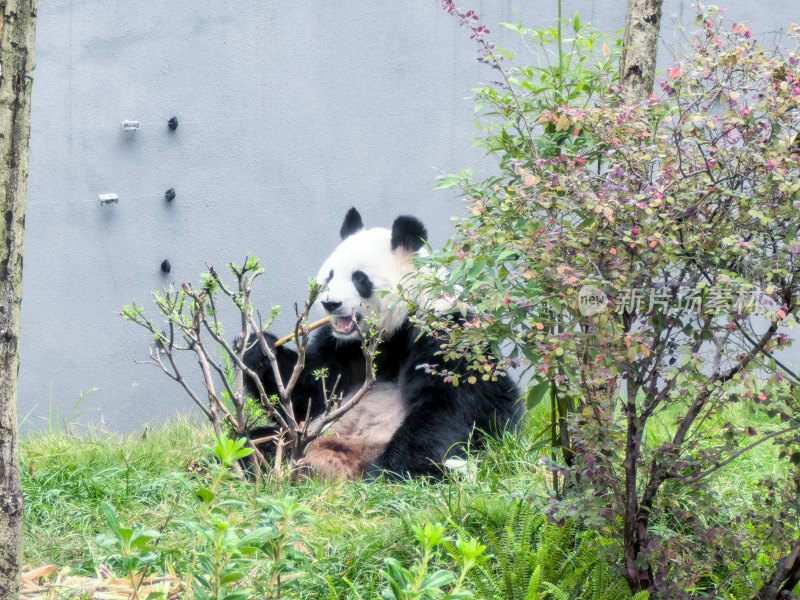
(345, 325)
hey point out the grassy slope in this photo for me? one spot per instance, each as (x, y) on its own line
(66, 477)
(356, 525)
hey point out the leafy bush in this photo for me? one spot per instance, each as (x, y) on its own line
(642, 258)
(190, 323)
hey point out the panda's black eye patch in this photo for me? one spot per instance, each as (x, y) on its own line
(362, 283)
(330, 276)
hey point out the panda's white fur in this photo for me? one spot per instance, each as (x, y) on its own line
(369, 251)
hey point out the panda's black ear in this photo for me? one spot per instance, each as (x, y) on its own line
(409, 233)
(352, 223)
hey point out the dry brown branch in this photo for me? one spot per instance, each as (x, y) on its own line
(213, 400)
(50, 581)
(719, 465)
(186, 312)
(174, 374)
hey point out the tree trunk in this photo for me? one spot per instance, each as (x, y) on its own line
(17, 26)
(637, 66)
(784, 579)
(632, 539)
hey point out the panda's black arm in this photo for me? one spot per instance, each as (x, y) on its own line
(441, 418)
(258, 361)
(320, 355)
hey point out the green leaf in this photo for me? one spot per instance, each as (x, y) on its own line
(142, 538)
(445, 183)
(536, 393)
(438, 580)
(231, 577)
(205, 494)
(111, 517)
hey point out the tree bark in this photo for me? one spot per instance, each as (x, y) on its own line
(784, 579)
(637, 66)
(17, 27)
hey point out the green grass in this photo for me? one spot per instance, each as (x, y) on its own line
(67, 476)
(353, 527)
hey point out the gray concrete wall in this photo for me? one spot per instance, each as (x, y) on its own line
(289, 114)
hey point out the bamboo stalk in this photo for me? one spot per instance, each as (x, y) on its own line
(312, 327)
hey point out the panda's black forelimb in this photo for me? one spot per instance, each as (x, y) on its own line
(256, 360)
(442, 420)
(308, 394)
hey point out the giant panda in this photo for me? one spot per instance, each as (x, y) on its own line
(412, 420)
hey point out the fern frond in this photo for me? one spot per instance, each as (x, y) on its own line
(486, 583)
(533, 586)
(556, 592)
(532, 558)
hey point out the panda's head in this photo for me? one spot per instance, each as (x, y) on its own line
(365, 264)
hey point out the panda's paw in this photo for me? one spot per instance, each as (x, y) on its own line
(335, 457)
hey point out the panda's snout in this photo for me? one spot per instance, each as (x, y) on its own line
(330, 306)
